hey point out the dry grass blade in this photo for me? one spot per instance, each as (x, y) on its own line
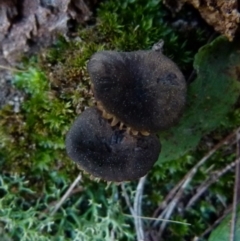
(236, 195)
(168, 198)
(170, 208)
(66, 195)
(164, 220)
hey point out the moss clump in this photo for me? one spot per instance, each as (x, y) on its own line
(33, 139)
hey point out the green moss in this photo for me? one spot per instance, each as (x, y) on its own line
(33, 139)
(138, 24)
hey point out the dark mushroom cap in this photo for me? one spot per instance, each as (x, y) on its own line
(107, 152)
(143, 89)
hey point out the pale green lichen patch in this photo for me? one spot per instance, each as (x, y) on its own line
(210, 97)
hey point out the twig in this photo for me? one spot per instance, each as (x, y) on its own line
(168, 198)
(66, 195)
(137, 206)
(11, 69)
(236, 193)
(173, 203)
(212, 179)
(164, 220)
(53, 203)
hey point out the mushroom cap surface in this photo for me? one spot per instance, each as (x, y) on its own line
(143, 89)
(107, 152)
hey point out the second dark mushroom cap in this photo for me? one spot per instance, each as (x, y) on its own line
(107, 152)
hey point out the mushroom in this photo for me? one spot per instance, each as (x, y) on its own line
(137, 93)
(108, 152)
(143, 89)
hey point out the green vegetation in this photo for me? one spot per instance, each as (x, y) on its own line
(210, 97)
(26, 214)
(137, 24)
(35, 169)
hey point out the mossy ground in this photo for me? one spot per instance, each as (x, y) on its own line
(35, 169)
